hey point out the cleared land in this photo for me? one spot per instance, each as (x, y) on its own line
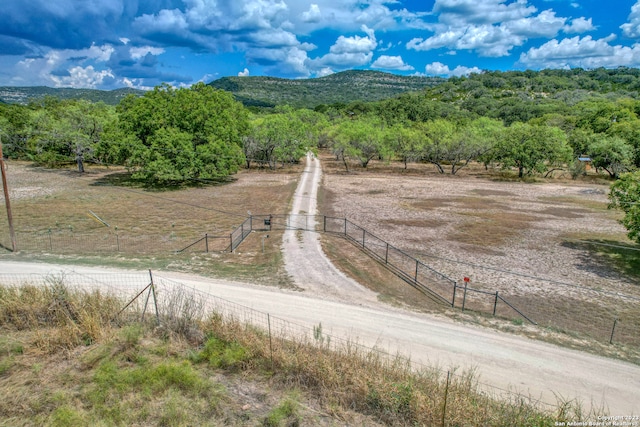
(551, 248)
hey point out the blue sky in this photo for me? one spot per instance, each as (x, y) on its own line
(107, 44)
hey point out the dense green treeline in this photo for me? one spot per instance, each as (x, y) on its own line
(530, 121)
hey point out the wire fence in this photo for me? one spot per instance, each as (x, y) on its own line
(605, 316)
(578, 311)
(154, 297)
(69, 242)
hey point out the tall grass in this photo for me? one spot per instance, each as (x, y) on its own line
(131, 381)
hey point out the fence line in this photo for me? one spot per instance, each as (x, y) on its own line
(173, 299)
(600, 314)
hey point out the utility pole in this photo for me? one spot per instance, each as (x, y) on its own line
(6, 199)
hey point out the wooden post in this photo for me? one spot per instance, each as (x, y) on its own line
(615, 322)
(416, 278)
(14, 246)
(446, 394)
(206, 242)
(270, 341)
(386, 255)
(495, 304)
(325, 223)
(364, 232)
(155, 298)
(464, 295)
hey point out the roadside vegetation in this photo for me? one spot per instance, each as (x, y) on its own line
(67, 359)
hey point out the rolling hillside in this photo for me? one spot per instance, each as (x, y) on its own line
(23, 95)
(347, 86)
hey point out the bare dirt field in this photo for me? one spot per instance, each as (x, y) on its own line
(550, 247)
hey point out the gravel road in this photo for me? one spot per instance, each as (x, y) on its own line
(346, 309)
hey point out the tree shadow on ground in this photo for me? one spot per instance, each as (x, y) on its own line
(608, 258)
(126, 179)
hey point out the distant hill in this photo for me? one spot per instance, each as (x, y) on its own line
(22, 95)
(346, 86)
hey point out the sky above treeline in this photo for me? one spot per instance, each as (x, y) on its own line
(108, 44)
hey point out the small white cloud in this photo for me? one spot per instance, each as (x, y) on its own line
(135, 83)
(313, 15)
(124, 40)
(391, 63)
(141, 52)
(355, 44)
(440, 69)
(324, 72)
(244, 73)
(579, 26)
(80, 77)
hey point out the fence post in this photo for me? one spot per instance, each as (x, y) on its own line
(613, 330)
(446, 393)
(464, 295)
(364, 232)
(345, 226)
(231, 237)
(453, 300)
(250, 222)
(324, 225)
(386, 255)
(155, 298)
(206, 242)
(270, 341)
(416, 278)
(118, 242)
(50, 242)
(495, 304)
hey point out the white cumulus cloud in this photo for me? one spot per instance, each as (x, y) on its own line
(583, 52)
(391, 63)
(313, 15)
(243, 73)
(440, 69)
(632, 28)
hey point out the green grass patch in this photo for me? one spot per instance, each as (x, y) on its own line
(286, 413)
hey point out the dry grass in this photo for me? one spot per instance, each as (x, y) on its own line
(228, 373)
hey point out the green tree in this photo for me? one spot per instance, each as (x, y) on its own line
(67, 131)
(406, 142)
(179, 135)
(612, 154)
(361, 138)
(15, 121)
(531, 148)
(625, 195)
(281, 137)
(440, 137)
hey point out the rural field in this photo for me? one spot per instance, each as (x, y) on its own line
(550, 247)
